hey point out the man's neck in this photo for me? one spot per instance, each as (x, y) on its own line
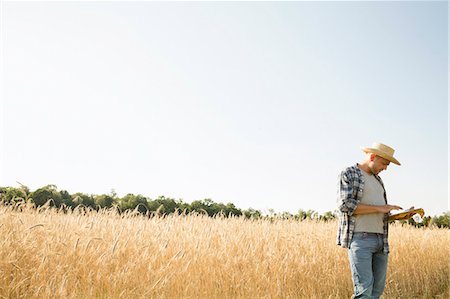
(365, 167)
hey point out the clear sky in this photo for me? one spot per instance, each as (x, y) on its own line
(261, 104)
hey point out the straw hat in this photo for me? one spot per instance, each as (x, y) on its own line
(381, 150)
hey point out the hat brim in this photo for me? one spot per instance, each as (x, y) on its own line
(381, 154)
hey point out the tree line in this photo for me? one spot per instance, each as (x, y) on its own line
(164, 205)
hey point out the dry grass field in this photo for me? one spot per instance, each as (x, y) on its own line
(49, 254)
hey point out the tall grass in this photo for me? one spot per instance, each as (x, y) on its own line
(49, 254)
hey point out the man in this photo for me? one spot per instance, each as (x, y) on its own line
(363, 220)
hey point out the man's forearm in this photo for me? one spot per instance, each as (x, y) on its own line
(366, 209)
(369, 209)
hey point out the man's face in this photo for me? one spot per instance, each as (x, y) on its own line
(378, 164)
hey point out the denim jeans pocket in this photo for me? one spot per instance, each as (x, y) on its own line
(364, 241)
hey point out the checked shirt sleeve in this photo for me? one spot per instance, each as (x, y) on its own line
(347, 202)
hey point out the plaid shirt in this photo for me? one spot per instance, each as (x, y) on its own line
(350, 192)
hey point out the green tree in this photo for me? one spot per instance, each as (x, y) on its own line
(11, 194)
(310, 214)
(66, 198)
(131, 201)
(202, 205)
(104, 200)
(183, 207)
(327, 216)
(46, 193)
(153, 206)
(169, 205)
(83, 199)
(213, 208)
(252, 213)
(231, 210)
(442, 221)
(286, 215)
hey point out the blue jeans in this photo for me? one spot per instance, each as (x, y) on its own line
(368, 264)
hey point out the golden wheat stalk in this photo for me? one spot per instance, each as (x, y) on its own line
(81, 253)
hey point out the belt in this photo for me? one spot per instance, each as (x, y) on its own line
(370, 234)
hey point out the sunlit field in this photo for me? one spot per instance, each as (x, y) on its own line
(50, 254)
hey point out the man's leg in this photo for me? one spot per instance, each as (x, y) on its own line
(360, 256)
(380, 262)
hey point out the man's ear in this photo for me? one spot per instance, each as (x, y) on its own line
(372, 157)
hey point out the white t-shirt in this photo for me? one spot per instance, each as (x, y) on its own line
(373, 194)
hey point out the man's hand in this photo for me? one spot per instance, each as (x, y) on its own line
(387, 208)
